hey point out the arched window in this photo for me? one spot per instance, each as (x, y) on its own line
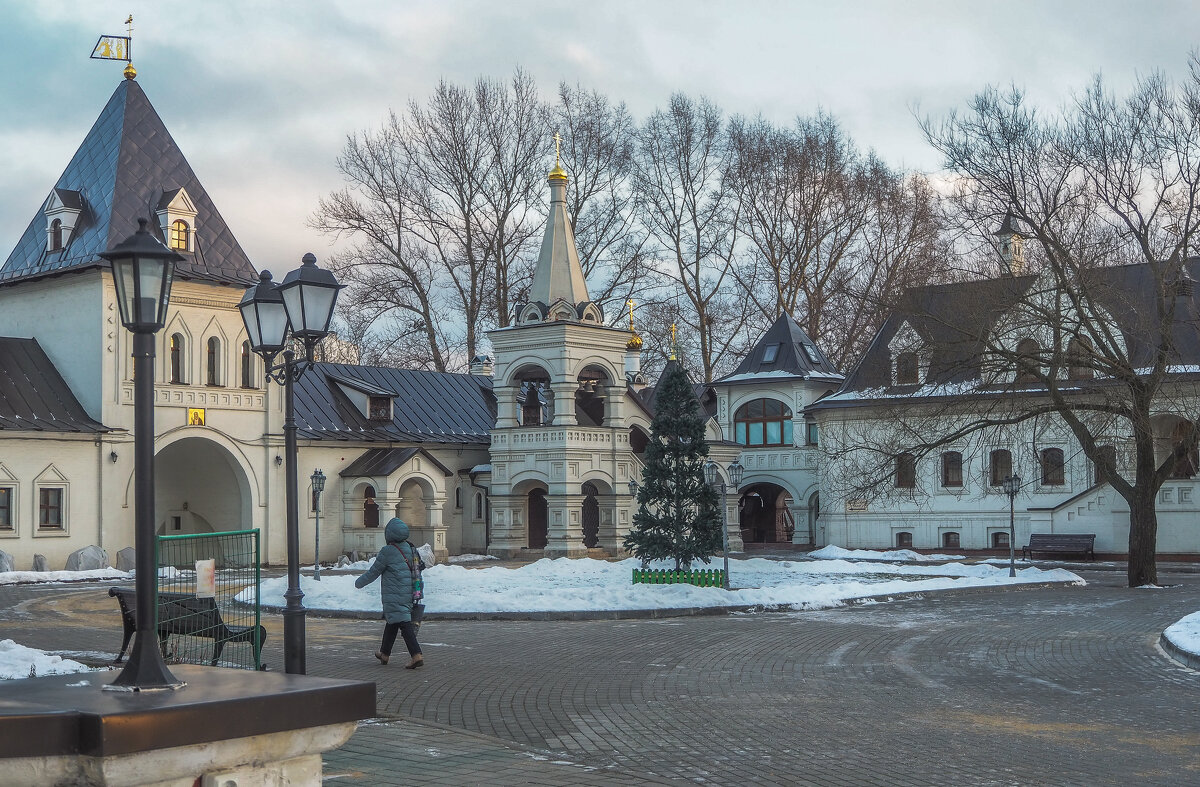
(176, 358)
(1054, 472)
(1028, 361)
(904, 540)
(370, 508)
(458, 497)
(907, 369)
(763, 422)
(479, 505)
(1079, 354)
(906, 471)
(214, 360)
(999, 466)
(950, 540)
(1108, 454)
(952, 469)
(999, 540)
(56, 243)
(247, 366)
(179, 235)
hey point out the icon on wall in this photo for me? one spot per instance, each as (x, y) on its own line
(195, 416)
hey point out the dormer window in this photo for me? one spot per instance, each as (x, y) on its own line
(907, 369)
(177, 220)
(770, 353)
(380, 408)
(62, 210)
(811, 352)
(180, 235)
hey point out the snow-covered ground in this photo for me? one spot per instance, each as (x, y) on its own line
(95, 575)
(18, 661)
(583, 584)
(1185, 634)
(832, 552)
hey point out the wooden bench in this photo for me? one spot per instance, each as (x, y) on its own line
(184, 614)
(1060, 543)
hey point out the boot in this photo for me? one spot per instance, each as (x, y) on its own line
(417, 662)
(383, 657)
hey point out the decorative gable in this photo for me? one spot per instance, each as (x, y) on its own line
(910, 356)
(177, 219)
(373, 402)
(63, 209)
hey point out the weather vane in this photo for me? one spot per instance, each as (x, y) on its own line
(557, 147)
(109, 47)
(630, 304)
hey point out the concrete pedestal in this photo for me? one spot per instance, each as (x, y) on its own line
(232, 728)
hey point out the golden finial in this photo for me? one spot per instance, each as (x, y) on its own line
(671, 357)
(130, 72)
(558, 173)
(635, 341)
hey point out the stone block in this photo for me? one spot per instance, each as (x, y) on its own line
(342, 561)
(40, 563)
(89, 558)
(126, 559)
(6, 561)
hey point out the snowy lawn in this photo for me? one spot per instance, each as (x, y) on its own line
(17, 661)
(583, 584)
(95, 575)
(832, 552)
(1186, 633)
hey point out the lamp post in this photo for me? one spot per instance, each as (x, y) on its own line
(318, 486)
(1011, 484)
(142, 270)
(299, 309)
(713, 476)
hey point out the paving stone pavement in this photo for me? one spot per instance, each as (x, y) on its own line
(1060, 686)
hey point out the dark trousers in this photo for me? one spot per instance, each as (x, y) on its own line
(408, 630)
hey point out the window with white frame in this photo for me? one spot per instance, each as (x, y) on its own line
(6, 508)
(51, 513)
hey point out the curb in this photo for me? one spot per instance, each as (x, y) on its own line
(1184, 657)
(672, 612)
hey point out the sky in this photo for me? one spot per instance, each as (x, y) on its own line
(261, 96)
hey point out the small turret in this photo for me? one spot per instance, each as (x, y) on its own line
(1012, 245)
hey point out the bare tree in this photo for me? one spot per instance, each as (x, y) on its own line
(1083, 346)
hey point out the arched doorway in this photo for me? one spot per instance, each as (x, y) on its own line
(591, 516)
(199, 487)
(538, 519)
(370, 507)
(764, 514)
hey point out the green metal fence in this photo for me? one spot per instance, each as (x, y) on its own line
(200, 620)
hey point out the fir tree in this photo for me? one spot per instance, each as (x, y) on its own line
(677, 514)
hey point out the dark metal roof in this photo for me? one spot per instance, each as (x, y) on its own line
(120, 172)
(361, 386)
(954, 320)
(34, 396)
(429, 407)
(385, 461)
(795, 353)
(69, 198)
(648, 396)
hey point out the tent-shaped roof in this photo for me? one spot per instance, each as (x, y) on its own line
(785, 350)
(34, 397)
(120, 172)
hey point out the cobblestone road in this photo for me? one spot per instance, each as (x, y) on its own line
(1059, 686)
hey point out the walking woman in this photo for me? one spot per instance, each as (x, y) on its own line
(398, 565)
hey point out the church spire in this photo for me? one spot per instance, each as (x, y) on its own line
(559, 290)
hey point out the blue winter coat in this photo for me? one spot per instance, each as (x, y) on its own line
(396, 587)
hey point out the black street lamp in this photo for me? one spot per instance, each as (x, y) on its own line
(301, 309)
(1011, 485)
(142, 269)
(713, 476)
(318, 486)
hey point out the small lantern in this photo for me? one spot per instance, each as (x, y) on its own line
(265, 317)
(142, 269)
(633, 486)
(318, 481)
(309, 295)
(736, 471)
(711, 476)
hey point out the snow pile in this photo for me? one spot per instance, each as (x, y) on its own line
(16, 661)
(832, 552)
(94, 575)
(584, 584)
(471, 558)
(1185, 634)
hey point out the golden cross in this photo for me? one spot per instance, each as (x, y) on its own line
(557, 147)
(129, 24)
(630, 302)
(672, 335)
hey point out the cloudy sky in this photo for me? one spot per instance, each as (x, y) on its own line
(261, 95)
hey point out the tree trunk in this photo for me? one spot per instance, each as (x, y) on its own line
(1143, 536)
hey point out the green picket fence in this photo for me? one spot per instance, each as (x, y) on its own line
(705, 578)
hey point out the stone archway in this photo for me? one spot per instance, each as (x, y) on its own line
(538, 517)
(764, 514)
(199, 487)
(591, 515)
